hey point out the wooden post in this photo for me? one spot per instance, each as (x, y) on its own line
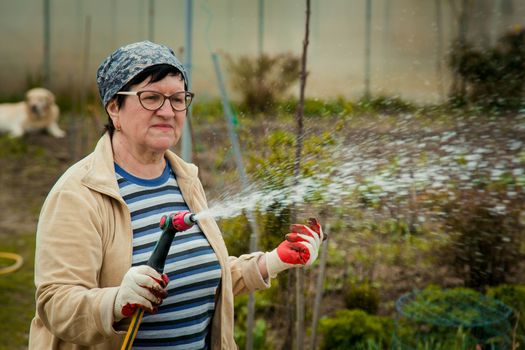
(299, 273)
(46, 65)
(229, 115)
(439, 49)
(368, 44)
(319, 289)
(84, 137)
(151, 20)
(260, 37)
(187, 150)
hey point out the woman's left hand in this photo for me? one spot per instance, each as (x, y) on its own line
(300, 248)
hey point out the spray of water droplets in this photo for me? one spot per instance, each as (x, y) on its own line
(374, 166)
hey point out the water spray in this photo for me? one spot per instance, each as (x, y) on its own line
(170, 225)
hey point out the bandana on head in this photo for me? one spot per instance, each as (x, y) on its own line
(128, 61)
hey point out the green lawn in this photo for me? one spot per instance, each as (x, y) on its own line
(17, 305)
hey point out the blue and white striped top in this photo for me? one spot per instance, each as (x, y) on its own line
(183, 321)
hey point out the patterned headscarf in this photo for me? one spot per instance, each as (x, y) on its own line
(130, 60)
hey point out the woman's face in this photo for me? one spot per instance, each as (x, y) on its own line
(147, 131)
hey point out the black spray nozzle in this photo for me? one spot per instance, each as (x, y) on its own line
(170, 225)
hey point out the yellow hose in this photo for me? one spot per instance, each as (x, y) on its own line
(133, 328)
(12, 268)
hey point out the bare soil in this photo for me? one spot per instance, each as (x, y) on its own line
(30, 166)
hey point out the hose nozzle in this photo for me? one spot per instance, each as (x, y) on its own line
(170, 225)
(179, 221)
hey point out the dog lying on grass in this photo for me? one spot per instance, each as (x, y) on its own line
(38, 111)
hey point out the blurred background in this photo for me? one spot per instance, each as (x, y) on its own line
(65, 40)
(408, 146)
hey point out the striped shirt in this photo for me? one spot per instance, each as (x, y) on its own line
(183, 320)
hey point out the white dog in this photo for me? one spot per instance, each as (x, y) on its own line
(38, 111)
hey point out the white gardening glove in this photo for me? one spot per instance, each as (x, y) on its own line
(300, 248)
(141, 286)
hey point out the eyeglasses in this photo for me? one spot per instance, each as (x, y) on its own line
(153, 100)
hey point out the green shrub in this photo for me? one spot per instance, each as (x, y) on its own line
(314, 107)
(458, 316)
(494, 77)
(339, 107)
(274, 164)
(445, 306)
(264, 80)
(362, 296)
(354, 329)
(384, 104)
(274, 223)
(485, 240)
(260, 340)
(236, 232)
(460, 340)
(259, 335)
(514, 297)
(210, 110)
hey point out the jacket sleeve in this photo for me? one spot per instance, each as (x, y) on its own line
(69, 255)
(246, 276)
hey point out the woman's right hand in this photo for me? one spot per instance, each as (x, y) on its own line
(141, 286)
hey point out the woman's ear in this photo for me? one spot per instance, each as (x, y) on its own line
(113, 111)
(112, 108)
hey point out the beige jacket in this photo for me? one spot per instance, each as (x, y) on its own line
(84, 248)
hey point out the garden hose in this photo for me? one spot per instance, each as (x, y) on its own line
(18, 261)
(170, 225)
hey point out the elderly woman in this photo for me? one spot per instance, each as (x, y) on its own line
(100, 222)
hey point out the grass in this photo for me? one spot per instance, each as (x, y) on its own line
(17, 293)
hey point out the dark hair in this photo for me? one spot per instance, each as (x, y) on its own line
(154, 73)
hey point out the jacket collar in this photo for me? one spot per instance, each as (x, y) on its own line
(100, 174)
(101, 177)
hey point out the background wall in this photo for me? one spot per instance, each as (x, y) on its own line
(404, 36)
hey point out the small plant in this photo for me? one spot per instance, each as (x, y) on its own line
(259, 331)
(10, 146)
(263, 81)
(355, 329)
(362, 296)
(210, 110)
(514, 297)
(275, 223)
(318, 108)
(457, 306)
(236, 233)
(384, 104)
(486, 233)
(458, 341)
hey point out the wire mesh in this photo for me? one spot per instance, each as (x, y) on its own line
(451, 319)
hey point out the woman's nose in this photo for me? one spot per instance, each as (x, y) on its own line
(166, 109)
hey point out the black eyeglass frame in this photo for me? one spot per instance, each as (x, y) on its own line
(166, 97)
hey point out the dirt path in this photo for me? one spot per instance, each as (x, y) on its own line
(29, 167)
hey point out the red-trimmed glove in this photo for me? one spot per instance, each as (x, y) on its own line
(141, 286)
(300, 248)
